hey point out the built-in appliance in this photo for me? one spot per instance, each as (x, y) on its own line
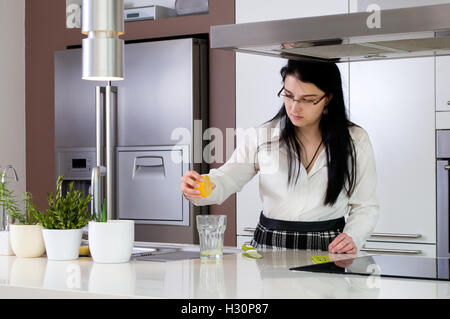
(443, 192)
(386, 266)
(187, 7)
(161, 116)
(147, 13)
(75, 165)
(404, 32)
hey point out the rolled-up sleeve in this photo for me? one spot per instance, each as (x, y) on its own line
(232, 176)
(363, 202)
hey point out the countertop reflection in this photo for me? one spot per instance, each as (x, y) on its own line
(233, 276)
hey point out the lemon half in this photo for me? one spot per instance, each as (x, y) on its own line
(247, 247)
(205, 186)
(252, 254)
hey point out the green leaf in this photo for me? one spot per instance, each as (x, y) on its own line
(102, 215)
(69, 211)
(9, 202)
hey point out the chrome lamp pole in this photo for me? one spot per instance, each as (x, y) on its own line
(103, 23)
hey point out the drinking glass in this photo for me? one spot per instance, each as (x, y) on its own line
(211, 229)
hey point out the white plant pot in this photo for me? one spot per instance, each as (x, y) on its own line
(62, 244)
(27, 240)
(111, 242)
(5, 244)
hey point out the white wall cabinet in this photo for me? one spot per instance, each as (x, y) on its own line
(443, 83)
(257, 10)
(443, 120)
(361, 5)
(393, 100)
(258, 80)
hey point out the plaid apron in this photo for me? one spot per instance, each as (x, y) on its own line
(282, 235)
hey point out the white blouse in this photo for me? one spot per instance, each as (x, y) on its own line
(304, 201)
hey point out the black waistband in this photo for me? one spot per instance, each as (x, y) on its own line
(284, 225)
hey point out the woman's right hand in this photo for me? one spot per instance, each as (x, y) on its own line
(189, 182)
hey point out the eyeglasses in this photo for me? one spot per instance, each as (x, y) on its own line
(291, 99)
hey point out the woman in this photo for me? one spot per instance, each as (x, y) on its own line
(325, 168)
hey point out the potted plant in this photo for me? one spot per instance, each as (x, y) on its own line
(63, 222)
(110, 241)
(26, 232)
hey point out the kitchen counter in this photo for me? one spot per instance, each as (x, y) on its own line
(235, 276)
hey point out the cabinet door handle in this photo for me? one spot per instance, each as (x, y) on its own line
(252, 230)
(396, 235)
(447, 167)
(384, 250)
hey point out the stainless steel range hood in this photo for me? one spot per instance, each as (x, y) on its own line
(407, 32)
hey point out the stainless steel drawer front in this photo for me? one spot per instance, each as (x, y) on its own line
(149, 186)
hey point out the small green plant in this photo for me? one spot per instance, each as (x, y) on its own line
(101, 216)
(7, 198)
(66, 212)
(29, 215)
(8, 201)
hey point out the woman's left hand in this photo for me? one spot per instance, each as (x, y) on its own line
(342, 244)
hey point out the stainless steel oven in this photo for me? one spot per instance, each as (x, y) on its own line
(443, 198)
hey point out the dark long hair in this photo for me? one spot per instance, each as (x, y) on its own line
(334, 127)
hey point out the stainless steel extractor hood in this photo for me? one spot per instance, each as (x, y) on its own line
(406, 32)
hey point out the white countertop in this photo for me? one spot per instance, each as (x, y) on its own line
(235, 276)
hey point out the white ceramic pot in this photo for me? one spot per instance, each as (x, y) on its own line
(62, 244)
(27, 240)
(111, 242)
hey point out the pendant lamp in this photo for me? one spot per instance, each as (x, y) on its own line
(102, 22)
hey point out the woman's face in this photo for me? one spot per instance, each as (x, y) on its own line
(304, 113)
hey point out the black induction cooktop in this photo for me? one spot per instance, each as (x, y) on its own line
(386, 266)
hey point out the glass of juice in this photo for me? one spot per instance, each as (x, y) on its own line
(211, 229)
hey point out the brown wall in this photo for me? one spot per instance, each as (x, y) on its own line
(46, 32)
